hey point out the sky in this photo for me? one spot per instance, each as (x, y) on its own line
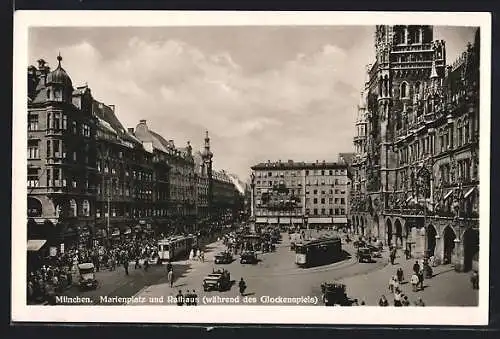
(263, 93)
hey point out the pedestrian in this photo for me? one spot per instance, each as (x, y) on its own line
(169, 266)
(397, 297)
(400, 275)
(194, 302)
(170, 278)
(393, 256)
(180, 298)
(391, 284)
(414, 282)
(242, 286)
(198, 254)
(146, 264)
(137, 263)
(474, 279)
(191, 255)
(407, 254)
(187, 298)
(396, 283)
(125, 265)
(421, 278)
(383, 301)
(416, 267)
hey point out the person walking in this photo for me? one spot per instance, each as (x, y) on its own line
(397, 298)
(393, 255)
(421, 278)
(242, 285)
(400, 275)
(125, 265)
(195, 298)
(170, 278)
(198, 254)
(416, 267)
(180, 298)
(391, 284)
(414, 282)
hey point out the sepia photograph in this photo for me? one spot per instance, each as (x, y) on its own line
(265, 170)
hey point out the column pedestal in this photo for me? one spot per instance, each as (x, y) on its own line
(439, 249)
(457, 257)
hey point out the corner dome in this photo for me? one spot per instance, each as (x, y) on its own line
(59, 76)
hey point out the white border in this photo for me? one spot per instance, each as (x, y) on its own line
(237, 314)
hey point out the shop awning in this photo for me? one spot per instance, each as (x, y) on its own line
(297, 220)
(284, 220)
(34, 245)
(261, 220)
(447, 195)
(272, 220)
(469, 192)
(340, 220)
(128, 231)
(319, 220)
(116, 233)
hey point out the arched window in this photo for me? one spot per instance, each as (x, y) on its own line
(86, 208)
(460, 133)
(404, 90)
(466, 130)
(73, 208)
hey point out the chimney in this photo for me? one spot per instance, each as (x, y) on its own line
(142, 121)
(317, 161)
(131, 130)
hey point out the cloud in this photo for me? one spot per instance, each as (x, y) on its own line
(286, 111)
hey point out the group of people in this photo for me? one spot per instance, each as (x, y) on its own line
(196, 254)
(190, 298)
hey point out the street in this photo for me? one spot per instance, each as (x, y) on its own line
(276, 275)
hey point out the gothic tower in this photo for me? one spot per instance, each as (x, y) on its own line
(408, 62)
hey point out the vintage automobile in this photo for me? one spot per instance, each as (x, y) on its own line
(364, 254)
(223, 258)
(334, 294)
(218, 280)
(358, 243)
(248, 257)
(87, 276)
(375, 251)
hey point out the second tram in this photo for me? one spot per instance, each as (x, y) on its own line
(318, 252)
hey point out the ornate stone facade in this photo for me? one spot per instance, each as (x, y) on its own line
(415, 178)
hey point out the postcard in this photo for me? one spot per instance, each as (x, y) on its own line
(259, 167)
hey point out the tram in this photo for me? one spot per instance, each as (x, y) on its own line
(318, 252)
(173, 247)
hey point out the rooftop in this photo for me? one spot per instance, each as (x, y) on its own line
(290, 164)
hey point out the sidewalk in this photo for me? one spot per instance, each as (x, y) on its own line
(446, 288)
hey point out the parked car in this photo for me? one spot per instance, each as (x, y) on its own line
(364, 254)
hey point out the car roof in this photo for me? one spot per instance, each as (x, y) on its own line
(86, 266)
